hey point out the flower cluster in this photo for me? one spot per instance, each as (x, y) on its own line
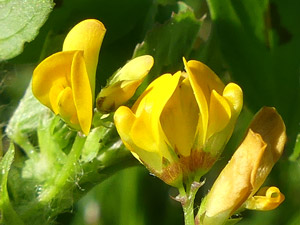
(177, 128)
(180, 124)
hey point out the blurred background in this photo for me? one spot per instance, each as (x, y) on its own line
(255, 43)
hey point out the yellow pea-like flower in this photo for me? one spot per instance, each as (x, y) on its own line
(267, 198)
(124, 83)
(65, 81)
(180, 124)
(237, 185)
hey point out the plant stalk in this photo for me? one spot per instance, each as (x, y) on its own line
(187, 197)
(66, 172)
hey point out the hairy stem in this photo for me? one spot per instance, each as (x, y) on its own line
(48, 194)
(187, 197)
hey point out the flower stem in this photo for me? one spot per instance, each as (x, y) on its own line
(66, 173)
(187, 197)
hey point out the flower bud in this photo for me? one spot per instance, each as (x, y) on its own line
(124, 83)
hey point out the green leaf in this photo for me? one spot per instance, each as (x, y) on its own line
(20, 22)
(170, 41)
(8, 214)
(25, 121)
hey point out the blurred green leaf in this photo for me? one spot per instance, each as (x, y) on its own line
(8, 214)
(166, 2)
(170, 41)
(296, 153)
(131, 196)
(20, 22)
(260, 41)
(294, 220)
(98, 205)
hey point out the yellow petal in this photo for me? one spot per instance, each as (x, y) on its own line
(219, 114)
(146, 132)
(124, 119)
(267, 198)
(269, 124)
(112, 97)
(205, 78)
(54, 70)
(222, 130)
(124, 83)
(66, 108)
(234, 95)
(179, 119)
(135, 69)
(233, 186)
(203, 81)
(87, 36)
(54, 93)
(82, 92)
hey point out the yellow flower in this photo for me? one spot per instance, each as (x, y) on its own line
(124, 83)
(180, 124)
(65, 81)
(247, 170)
